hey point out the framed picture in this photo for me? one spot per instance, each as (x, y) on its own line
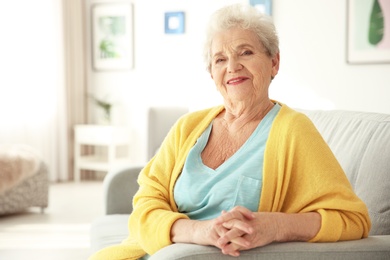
(174, 22)
(368, 31)
(264, 6)
(112, 36)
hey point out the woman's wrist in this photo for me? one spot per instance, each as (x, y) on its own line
(298, 226)
(200, 232)
(191, 231)
(182, 231)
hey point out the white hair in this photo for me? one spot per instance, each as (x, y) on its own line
(246, 17)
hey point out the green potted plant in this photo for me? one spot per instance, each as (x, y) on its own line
(105, 106)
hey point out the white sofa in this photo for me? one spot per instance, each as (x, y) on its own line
(360, 141)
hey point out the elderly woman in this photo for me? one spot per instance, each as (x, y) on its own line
(245, 174)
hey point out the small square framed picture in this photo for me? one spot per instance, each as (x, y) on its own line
(174, 22)
(264, 6)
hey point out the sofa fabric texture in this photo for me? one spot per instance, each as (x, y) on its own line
(375, 247)
(361, 143)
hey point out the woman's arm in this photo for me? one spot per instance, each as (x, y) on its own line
(154, 207)
(298, 226)
(195, 232)
(301, 174)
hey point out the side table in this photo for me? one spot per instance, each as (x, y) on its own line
(107, 136)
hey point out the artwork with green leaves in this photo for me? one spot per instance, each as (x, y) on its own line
(368, 31)
(112, 36)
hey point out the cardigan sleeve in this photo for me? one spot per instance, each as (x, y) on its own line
(153, 216)
(301, 174)
(154, 208)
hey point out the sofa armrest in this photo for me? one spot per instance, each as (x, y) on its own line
(119, 188)
(374, 247)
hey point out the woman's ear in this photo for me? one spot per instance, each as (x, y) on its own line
(275, 64)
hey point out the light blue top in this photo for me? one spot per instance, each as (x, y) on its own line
(202, 193)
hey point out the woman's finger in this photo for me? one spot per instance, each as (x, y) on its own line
(232, 249)
(244, 211)
(236, 213)
(242, 242)
(220, 230)
(238, 224)
(235, 235)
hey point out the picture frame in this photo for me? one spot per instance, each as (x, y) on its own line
(112, 36)
(264, 6)
(368, 32)
(174, 22)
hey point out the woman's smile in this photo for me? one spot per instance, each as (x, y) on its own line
(236, 81)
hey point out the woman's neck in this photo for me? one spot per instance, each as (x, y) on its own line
(236, 117)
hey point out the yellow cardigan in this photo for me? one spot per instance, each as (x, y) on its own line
(300, 174)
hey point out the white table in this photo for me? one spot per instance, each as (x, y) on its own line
(108, 136)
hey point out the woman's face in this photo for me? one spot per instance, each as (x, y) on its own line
(241, 67)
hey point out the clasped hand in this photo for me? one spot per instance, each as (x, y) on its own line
(241, 229)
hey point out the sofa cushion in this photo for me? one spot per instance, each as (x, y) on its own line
(108, 230)
(361, 143)
(375, 247)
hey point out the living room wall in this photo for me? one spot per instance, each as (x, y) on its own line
(313, 50)
(169, 70)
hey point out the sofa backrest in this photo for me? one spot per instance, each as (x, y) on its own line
(160, 121)
(361, 143)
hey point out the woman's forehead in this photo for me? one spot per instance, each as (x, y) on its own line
(234, 39)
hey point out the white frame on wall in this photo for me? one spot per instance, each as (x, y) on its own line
(112, 35)
(359, 50)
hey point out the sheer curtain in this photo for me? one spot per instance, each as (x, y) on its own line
(75, 71)
(34, 98)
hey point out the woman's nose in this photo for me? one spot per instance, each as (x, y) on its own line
(233, 65)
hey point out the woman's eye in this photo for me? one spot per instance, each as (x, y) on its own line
(219, 60)
(247, 53)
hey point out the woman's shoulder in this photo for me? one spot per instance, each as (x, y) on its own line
(291, 124)
(290, 118)
(194, 117)
(288, 113)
